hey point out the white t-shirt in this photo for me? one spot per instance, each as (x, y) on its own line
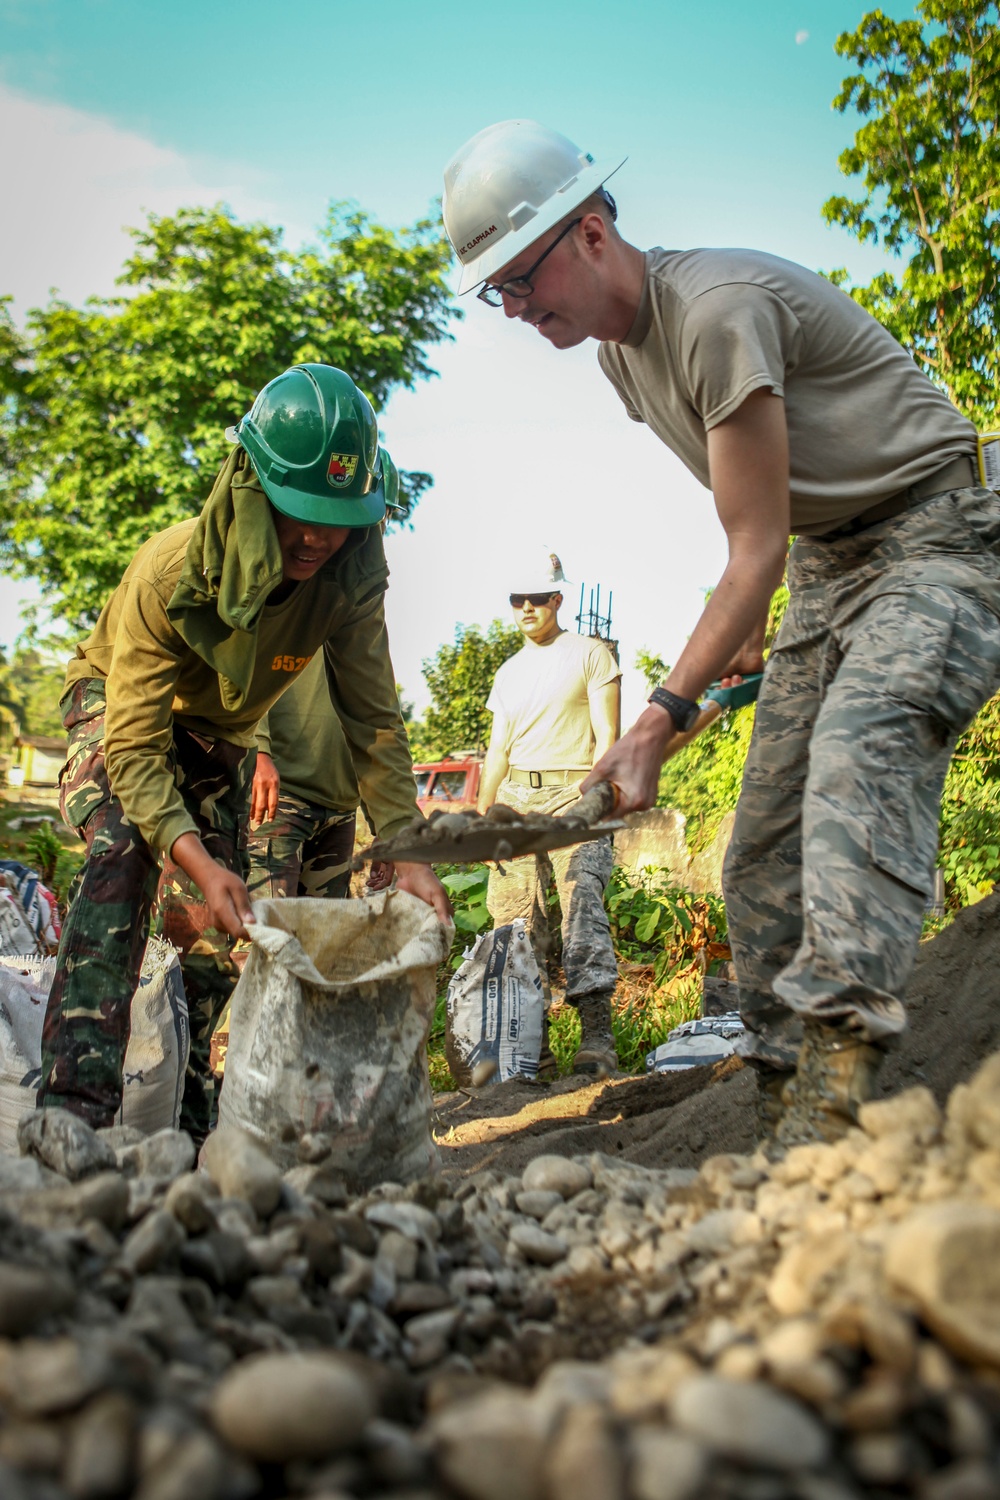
(541, 702)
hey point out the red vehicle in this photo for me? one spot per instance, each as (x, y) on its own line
(451, 784)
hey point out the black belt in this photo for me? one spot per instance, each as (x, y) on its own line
(956, 474)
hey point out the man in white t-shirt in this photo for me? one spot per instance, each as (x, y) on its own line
(556, 709)
(804, 416)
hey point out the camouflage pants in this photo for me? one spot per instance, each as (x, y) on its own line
(581, 873)
(305, 850)
(86, 1026)
(890, 646)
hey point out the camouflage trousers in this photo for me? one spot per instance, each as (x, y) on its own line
(581, 873)
(304, 850)
(120, 887)
(890, 646)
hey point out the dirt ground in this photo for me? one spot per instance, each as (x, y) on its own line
(953, 1003)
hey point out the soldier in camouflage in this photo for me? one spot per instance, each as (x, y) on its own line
(804, 417)
(212, 622)
(555, 706)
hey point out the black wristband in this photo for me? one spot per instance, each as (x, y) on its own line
(683, 711)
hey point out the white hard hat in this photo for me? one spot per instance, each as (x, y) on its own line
(507, 186)
(542, 575)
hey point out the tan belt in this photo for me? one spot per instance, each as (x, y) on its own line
(956, 474)
(538, 779)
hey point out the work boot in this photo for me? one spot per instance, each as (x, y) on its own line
(835, 1075)
(596, 1054)
(771, 1085)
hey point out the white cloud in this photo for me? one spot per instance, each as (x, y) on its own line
(800, 37)
(70, 184)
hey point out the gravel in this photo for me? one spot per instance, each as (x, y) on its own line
(820, 1328)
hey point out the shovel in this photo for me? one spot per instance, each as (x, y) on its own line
(467, 838)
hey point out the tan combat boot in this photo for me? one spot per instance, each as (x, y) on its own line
(771, 1085)
(836, 1074)
(596, 1054)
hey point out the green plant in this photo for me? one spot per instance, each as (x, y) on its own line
(655, 921)
(44, 849)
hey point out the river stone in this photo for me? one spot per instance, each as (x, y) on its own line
(241, 1168)
(65, 1143)
(750, 1423)
(190, 1198)
(165, 1155)
(154, 1239)
(100, 1451)
(491, 1447)
(583, 1461)
(28, 1295)
(536, 1244)
(411, 1219)
(556, 1174)
(279, 1407)
(947, 1257)
(664, 1465)
(104, 1198)
(537, 1204)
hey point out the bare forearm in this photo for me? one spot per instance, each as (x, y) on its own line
(495, 768)
(732, 624)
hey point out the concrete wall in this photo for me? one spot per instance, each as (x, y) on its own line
(655, 840)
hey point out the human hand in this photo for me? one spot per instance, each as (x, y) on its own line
(746, 663)
(264, 792)
(380, 875)
(633, 764)
(228, 901)
(421, 881)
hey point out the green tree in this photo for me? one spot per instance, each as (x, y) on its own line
(31, 684)
(112, 416)
(460, 677)
(928, 155)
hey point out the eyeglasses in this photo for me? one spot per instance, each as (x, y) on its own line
(518, 601)
(521, 286)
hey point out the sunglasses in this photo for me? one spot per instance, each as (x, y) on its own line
(518, 601)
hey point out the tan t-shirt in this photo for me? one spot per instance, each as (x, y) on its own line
(714, 325)
(541, 702)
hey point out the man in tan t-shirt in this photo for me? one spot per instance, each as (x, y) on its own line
(804, 416)
(556, 709)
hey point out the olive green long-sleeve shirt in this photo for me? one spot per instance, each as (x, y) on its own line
(153, 678)
(304, 738)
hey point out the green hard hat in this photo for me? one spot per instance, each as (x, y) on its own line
(390, 481)
(313, 441)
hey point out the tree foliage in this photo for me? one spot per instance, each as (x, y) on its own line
(112, 416)
(31, 684)
(928, 155)
(460, 677)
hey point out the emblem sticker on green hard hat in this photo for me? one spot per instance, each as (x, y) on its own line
(312, 438)
(341, 469)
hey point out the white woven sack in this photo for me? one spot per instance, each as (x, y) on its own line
(159, 1043)
(328, 1032)
(496, 1007)
(17, 936)
(157, 1055)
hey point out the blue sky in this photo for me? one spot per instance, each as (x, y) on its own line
(111, 107)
